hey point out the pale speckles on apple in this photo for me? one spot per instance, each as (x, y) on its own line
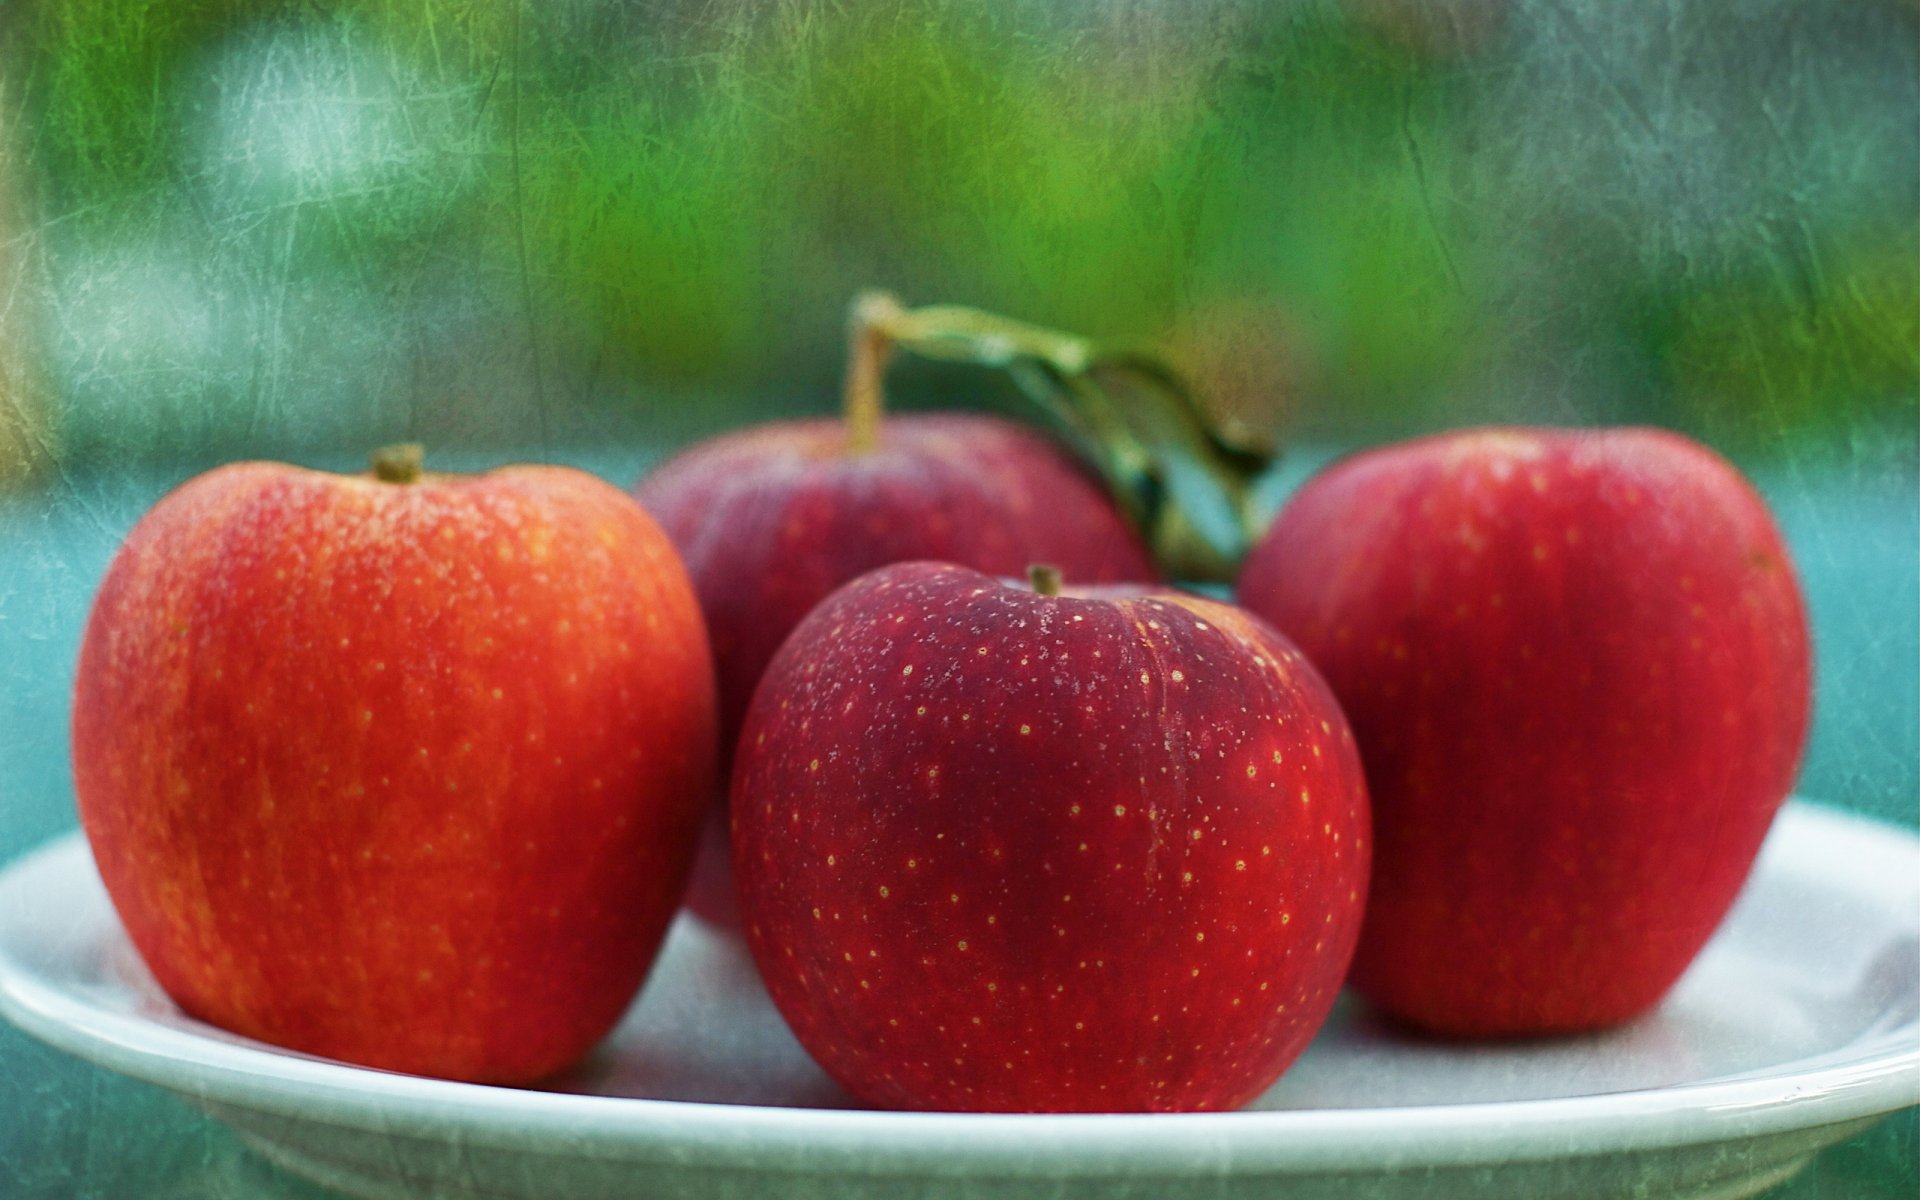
(1203, 744)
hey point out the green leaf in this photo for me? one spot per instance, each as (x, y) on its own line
(1181, 479)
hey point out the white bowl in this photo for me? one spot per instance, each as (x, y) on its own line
(1798, 1027)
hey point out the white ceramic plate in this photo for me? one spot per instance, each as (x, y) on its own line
(1798, 1027)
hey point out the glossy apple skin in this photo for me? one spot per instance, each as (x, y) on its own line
(1577, 663)
(406, 775)
(1006, 852)
(771, 519)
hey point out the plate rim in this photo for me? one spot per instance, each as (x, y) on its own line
(1870, 1078)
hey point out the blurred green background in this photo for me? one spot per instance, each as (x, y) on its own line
(590, 231)
(247, 226)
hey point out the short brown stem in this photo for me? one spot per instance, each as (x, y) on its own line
(870, 347)
(399, 463)
(1045, 578)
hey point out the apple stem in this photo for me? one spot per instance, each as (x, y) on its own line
(1045, 578)
(399, 463)
(871, 345)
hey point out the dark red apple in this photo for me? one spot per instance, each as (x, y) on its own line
(772, 518)
(1577, 665)
(1005, 850)
(402, 770)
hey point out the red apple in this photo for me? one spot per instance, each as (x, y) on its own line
(1005, 850)
(1577, 665)
(402, 770)
(773, 518)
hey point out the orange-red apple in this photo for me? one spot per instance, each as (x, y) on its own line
(399, 769)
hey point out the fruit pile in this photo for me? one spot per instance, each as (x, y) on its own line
(410, 770)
